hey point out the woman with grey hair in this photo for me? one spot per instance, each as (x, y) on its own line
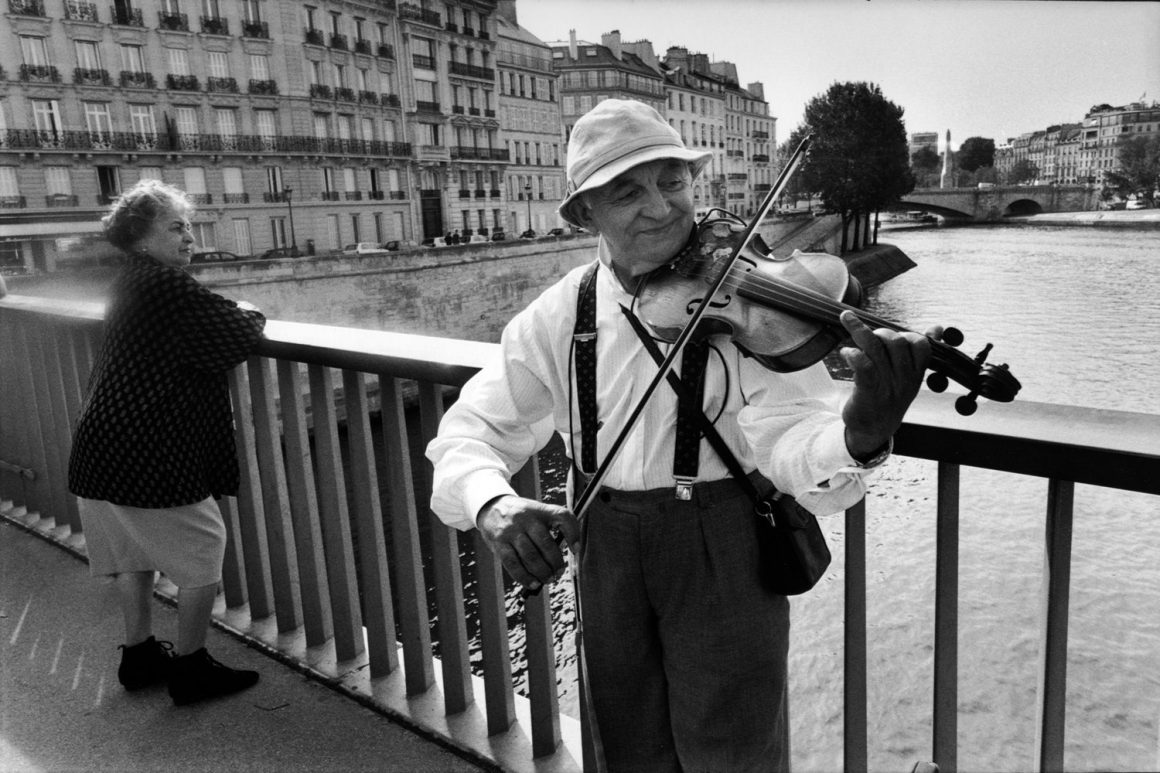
(154, 447)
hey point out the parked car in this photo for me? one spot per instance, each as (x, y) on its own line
(528, 234)
(215, 256)
(556, 232)
(498, 236)
(364, 248)
(1136, 204)
(281, 252)
(391, 246)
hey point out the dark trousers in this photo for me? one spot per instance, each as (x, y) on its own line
(686, 652)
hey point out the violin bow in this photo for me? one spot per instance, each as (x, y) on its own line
(782, 181)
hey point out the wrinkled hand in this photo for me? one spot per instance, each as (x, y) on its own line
(888, 370)
(519, 531)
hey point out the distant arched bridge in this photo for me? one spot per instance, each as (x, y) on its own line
(996, 202)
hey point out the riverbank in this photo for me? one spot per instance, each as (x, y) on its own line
(1118, 218)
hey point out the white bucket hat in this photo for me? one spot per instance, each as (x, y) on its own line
(612, 138)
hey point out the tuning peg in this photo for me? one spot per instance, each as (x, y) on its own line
(952, 336)
(966, 405)
(981, 357)
(937, 382)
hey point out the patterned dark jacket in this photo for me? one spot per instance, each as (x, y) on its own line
(156, 429)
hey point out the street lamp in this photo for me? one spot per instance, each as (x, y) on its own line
(528, 196)
(293, 240)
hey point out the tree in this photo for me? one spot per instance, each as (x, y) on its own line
(925, 163)
(858, 161)
(975, 152)
(1023, 171)
(1139, 169)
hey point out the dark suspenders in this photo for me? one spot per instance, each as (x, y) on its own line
(688, 440)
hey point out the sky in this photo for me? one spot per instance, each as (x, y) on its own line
(978, 68)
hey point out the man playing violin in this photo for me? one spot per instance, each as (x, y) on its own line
(685, 649)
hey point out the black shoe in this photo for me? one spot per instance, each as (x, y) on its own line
(145, 664)
(197, 676)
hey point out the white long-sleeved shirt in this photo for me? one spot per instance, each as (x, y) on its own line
(787, 425)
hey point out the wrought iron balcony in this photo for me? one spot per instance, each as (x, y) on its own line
(314, 37)
(20, 139)
(344, 94)
(263, 87)
(321, 91)
(376, 195)
(352, 195)
(39, 73)
(330, 196)
(138, 80)
(480, 193)
(26, 7)
(86, 77)
(182, 82)
(760, 158)
(235, 198)
(368, 97)
(215, 25)
(77, 10)
(398, 195)
(458, 109)
(256, 29)
(60, 200)
(390, 100)
(177, 22)
(494, 193)
(423, 61)
(464, 193)
(386, 51)
(451, 26)
(413, 12)
(339, 41)
(472, 71)
(273, 197)
(12, 202)
(228, 85)
(127, 17)
(426, 107)
(200, 198)
(362, 46)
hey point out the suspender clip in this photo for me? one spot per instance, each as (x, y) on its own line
(684, 489)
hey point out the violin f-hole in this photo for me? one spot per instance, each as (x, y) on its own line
(692, 305)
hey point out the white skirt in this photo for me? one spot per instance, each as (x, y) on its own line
(187, 544)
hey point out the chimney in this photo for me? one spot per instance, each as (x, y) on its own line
(611, 41)
(573, 51)
(757, 89)
(506, 9)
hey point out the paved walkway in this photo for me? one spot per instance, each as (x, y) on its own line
(62, 709)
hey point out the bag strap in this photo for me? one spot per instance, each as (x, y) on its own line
(584, 344)
(760, 504)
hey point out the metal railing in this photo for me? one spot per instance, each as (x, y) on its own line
(312, 563)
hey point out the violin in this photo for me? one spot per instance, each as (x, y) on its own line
(784, 312)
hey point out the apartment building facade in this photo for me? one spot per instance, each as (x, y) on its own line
(533, 124)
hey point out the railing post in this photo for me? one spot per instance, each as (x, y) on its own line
(251, 521)
(457, 694)
(1051, 708)
(946, 621)
(855, 759)
(374, 571)
(409, 582)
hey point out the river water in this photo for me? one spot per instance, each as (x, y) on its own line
(1073, 312)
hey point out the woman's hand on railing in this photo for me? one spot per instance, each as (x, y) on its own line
(521, 533)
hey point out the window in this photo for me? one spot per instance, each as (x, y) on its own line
(170, 7)
(242, 237)
(327, 179)
(109, 182)
(88, 55)
(368, 129)
(344, 127)
(227, 127)
(211, 8)
(57, 181)
(274, 179)
(149, 173)
(315, 73)
(141, 119)
(219, 64)
(34, 49)
(133, 61)
(265, 124)
(259, 67)
(97, 118)
(188, 133)
(427, 133)
(332, 234)
(178, 60)
(252, 10)
(194, 180)
(349, 180)
(8, 186)
(321, 125)
(46, 117)
(393, 179)
(425, 91)
(339, 76)
(278, 231)
(203, 234)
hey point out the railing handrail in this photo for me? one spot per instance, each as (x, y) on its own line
(1097, 446)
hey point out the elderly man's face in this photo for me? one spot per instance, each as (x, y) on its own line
(645, 215)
